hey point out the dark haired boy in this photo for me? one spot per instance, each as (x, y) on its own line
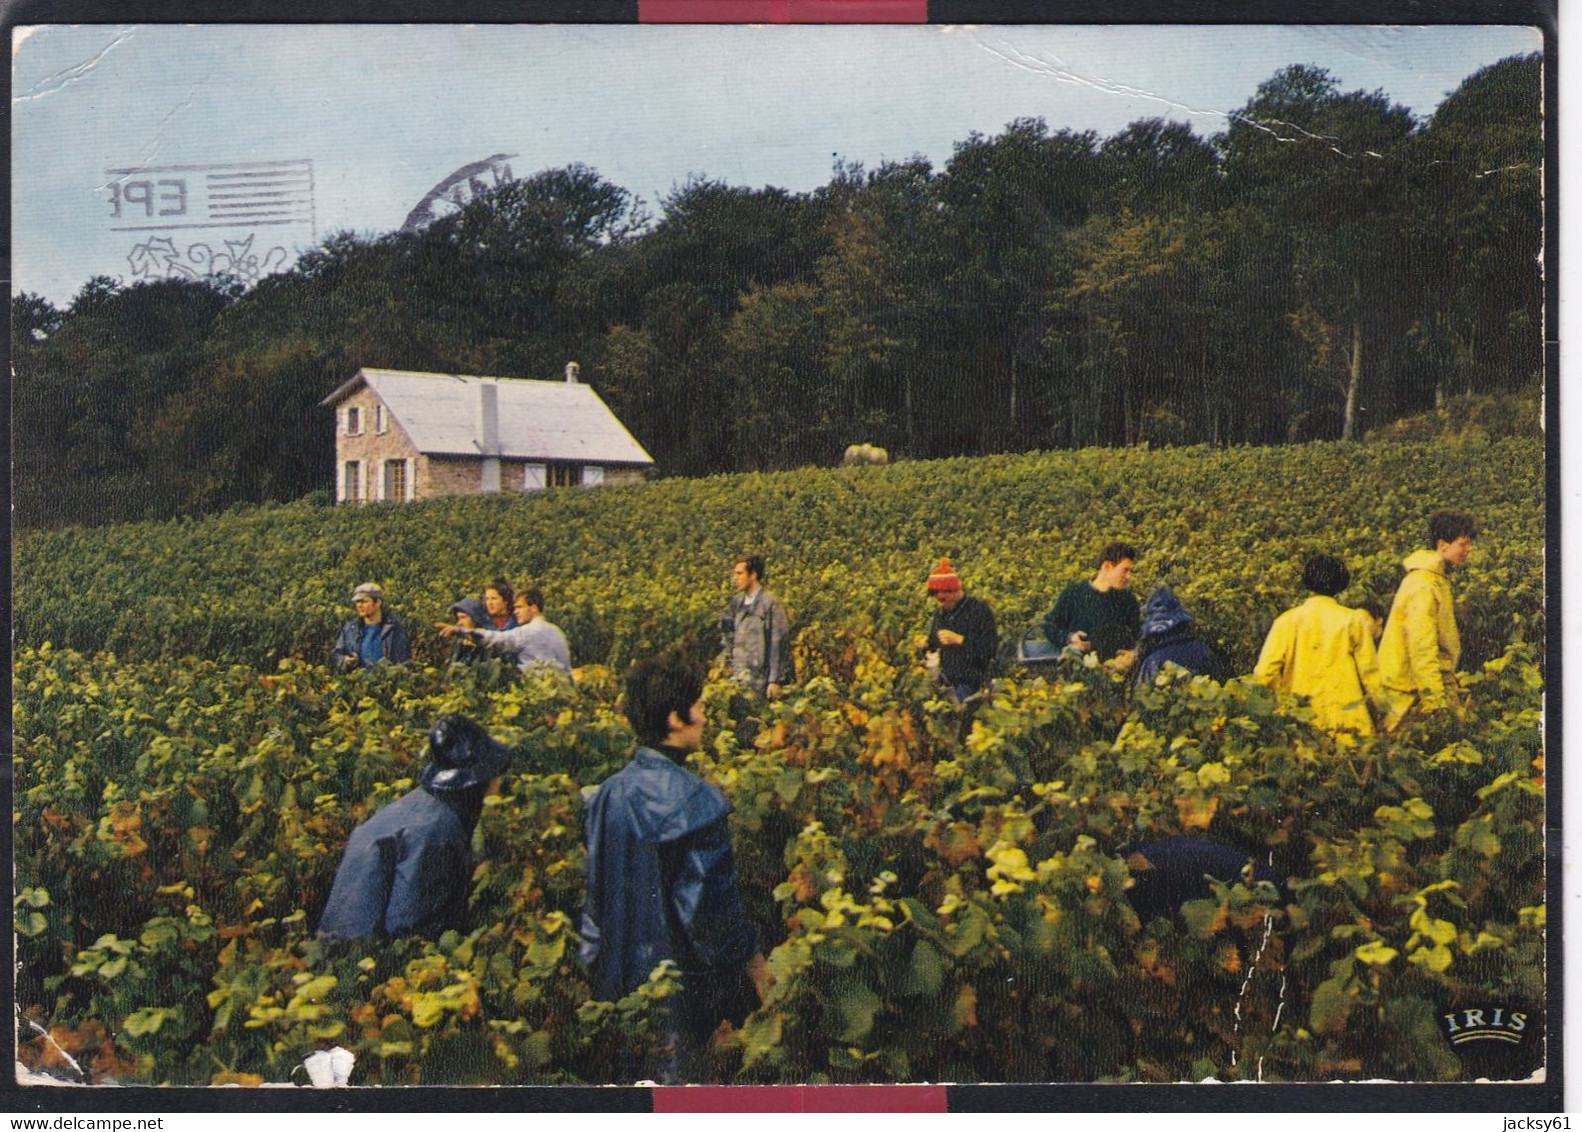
(660, 875)
(1421, 645)
(1324, 650)
(755, 633)
(1101, 615)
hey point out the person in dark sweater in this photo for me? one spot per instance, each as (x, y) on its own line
(963, 632)
(1100, 616)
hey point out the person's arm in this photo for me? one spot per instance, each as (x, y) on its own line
(356, 905)
(398, 650)
(983, 643)
(1059, 625)
(706, 901)
(728, 636)
(429, 886)
(343, 656)
(779, 630)
(1366, 657)
(1421, 623)
(1270, 668)
(499, 640)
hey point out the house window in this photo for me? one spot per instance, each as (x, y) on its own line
(534, 477)
(381, 421)
(354, 421)
(565, 475)
(352, 482)
(395, 480)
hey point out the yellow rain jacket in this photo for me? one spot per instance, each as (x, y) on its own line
(1324, 651)
(1421, 647)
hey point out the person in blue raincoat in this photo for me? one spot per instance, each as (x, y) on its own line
(408, 869)
(661, 882)
(1168, 637)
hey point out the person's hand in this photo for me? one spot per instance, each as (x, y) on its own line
(349, 660)
(950, 637)
(1079, 640)
(1122, 661)
(446, 629)
(773, 691)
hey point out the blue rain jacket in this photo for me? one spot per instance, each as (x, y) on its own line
(1167, 636)
(662, 885)
(1179, 868)
(406, 871)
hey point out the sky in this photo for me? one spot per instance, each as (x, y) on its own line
(123, 137)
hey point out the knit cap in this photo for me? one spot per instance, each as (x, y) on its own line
(943, 577)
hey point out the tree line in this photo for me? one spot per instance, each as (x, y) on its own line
(1326, 263)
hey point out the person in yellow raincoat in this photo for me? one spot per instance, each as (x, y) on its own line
(1421, 645)
(1324, 650)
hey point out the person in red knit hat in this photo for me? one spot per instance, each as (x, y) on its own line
(963, 632)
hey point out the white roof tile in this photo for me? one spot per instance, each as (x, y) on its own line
(538, 420)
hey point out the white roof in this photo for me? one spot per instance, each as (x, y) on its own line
(538, 420)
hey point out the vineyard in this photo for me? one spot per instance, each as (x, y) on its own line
(939, 903)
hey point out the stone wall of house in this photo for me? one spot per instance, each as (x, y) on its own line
(451, 475)
(622, 477)
(370, 446)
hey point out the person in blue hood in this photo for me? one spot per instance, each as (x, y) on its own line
(661, 882)
(471, 613)
(408, 869)
(1168, 637)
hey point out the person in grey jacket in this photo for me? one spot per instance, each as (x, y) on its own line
(755, 633)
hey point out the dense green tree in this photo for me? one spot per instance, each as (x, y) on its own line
(1325, 263)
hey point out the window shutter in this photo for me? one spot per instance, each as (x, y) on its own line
(379, 478)
(340, 484)
(533, 477)
(362, 481)
(592, 475)
(411, 480)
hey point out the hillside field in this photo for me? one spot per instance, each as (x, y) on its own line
(941, 903)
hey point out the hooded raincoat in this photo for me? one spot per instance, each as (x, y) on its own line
(1324, 651)
(662, 885)
(1421, 645)
(1167, 638)
(406, 871)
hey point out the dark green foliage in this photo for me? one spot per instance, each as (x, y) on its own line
(1326, 265)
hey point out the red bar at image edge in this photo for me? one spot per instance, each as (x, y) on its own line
(800, 1098)
(782, 11)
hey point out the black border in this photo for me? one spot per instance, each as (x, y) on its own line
(1547, 1096)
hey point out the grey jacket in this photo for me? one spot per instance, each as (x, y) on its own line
(755, 641)
(536, 643)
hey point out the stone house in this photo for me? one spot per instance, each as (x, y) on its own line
(402, 436)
